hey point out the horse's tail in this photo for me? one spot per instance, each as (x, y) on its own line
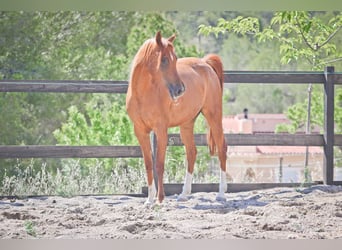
(215, 62)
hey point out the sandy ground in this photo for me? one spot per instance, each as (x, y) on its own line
(280, 213)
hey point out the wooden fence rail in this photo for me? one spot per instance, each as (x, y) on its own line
(72, 86)
(327, 140)
(35, 151)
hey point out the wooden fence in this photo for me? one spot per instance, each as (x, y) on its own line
(327, 140)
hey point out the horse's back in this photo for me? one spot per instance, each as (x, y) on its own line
(191, 69)
(207, 71)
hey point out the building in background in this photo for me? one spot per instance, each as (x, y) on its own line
(268, 163)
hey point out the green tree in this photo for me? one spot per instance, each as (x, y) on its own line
(55, 45)
(104, 122)
(302, 35)
(307, 37)
(147, 25)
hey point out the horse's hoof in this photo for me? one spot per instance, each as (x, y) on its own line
(148, 204)
(221, 198)
(182, 198)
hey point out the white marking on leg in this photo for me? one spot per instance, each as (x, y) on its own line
(186, 187)
(151, 191)
(223, 181)
(187, 184)
(223, 186)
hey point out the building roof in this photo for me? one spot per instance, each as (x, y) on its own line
(288, 150)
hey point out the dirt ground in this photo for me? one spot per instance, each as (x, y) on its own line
(279, 213)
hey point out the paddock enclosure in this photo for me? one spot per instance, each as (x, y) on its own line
(329, 78)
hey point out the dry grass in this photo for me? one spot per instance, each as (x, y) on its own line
(73, 178)
(70, 180)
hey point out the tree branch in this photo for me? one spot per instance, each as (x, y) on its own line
(333, 60)
(330, 37)
(304, 38)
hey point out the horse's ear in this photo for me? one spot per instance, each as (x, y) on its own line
(172, 38)
(159, 39)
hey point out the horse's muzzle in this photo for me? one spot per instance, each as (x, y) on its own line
(176, 89)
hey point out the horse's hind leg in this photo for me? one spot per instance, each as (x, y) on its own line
(162, 139)
(187, 136)
(217, 133)
(214, 120)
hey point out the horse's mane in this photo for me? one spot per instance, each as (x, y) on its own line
(145, 53)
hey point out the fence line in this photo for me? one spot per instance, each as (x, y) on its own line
(327, 140)
(120, 87)
(132, 151)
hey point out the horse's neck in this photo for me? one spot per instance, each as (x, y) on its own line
(141, 80)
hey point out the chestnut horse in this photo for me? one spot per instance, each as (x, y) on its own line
(165, 92)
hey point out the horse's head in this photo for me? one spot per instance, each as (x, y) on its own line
(166, 65)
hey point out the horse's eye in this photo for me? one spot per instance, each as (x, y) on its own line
(165, 61)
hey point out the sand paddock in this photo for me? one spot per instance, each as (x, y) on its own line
(278, 213)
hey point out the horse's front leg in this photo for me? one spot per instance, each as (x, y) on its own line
(162, 139)
(145, 145)
(187, 136)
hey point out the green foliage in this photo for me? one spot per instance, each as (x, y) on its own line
(305, 36)
(56, 45)
(62, 45)
(241, 51)
(30, 229)
(239, 25)
(301, 35)
(68, 45)
(266, 98)
(104, 122)
(298, 113)
(338, 111)
(147, 26)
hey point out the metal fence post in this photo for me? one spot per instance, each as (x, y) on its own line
(328, 160)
